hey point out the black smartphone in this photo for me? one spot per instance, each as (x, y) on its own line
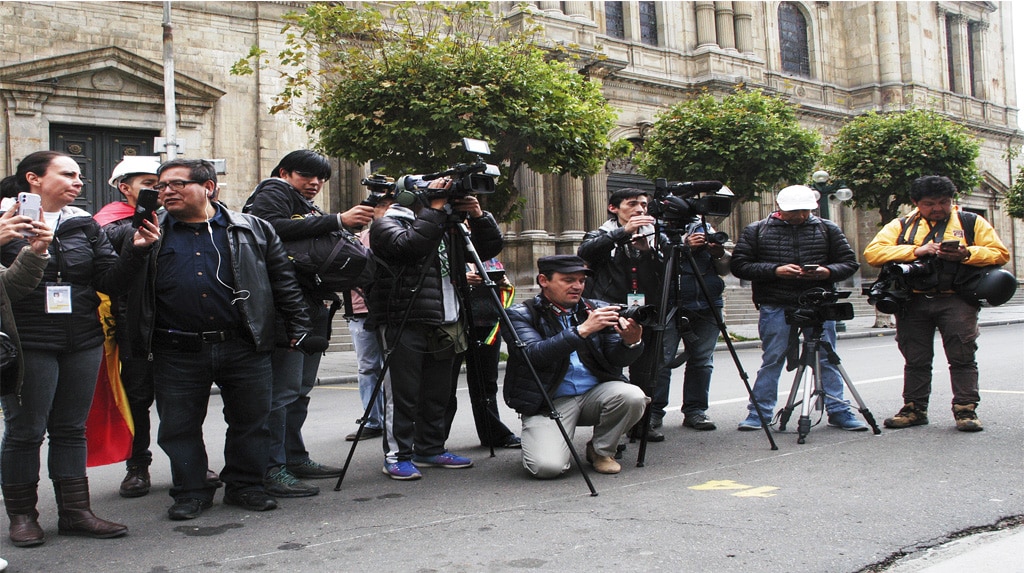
(496, 276)
(950, 245)
(146, 204)
(808, 268)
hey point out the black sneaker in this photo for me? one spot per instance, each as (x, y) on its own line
(188, 508)
(281, 483)
(311, 470)
(368, 434)
(253, 500)
(699, 421)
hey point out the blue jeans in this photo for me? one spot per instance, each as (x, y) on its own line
(182, 382)
(774, 333)
(55, 401)
(700, 359)
(369, 359)
(137, 378)
(294, 378)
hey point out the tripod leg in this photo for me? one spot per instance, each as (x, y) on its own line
(803, 425)
(791, 403)
(861, 407)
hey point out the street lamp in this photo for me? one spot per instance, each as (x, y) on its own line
(828, 192)
(835, 191)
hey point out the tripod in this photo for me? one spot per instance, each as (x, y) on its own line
(813, 390)
(673, 248)
(456, 228)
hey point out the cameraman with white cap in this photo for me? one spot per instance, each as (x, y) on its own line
(783, 256)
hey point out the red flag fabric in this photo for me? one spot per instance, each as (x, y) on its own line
(109, 430)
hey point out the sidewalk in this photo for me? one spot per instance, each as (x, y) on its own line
(339, 367)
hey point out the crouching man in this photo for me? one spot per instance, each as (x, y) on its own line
(578, 348)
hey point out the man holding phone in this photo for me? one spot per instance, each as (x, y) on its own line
(783, 256)
(951, 240)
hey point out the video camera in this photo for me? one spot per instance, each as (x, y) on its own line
(817, 306)
(475, 178)
(681, 202)
(380, 186)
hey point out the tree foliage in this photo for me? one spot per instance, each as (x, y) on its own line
(749, 141)
(1014, 200)
(403, 90)
(879, 155)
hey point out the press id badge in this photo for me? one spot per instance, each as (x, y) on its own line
(635, 299)
(58, 299)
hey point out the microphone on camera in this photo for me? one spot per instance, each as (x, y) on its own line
(308, 344)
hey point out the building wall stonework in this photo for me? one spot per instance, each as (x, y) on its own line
(101, 64)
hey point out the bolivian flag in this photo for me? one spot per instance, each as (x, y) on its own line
(109, 430)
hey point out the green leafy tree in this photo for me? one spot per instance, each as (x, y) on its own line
(1014, 200)
(749, 141)
(879, 155)
(404, 90)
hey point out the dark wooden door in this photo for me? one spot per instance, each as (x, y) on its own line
(97, 151)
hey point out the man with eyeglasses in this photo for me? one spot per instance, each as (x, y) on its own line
(202, 310)
(285, 200)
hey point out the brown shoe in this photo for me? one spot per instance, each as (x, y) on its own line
(909, 415)
(602, 464)
(20, 500)
(74, 514)
(136, 483)
(966, 418)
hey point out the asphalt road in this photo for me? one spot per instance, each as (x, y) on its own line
(718, 501)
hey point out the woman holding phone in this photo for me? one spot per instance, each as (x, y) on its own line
(61, 339)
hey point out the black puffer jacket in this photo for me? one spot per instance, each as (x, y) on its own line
(548, 345)
(80, 256)
(608, 256)
(259, 265)
(402, 244)
(770, 243)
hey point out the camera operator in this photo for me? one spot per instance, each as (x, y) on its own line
(627, 269)
(712, 262)
(415, 251)
(783, 256)
(578, 347)
(926, 235)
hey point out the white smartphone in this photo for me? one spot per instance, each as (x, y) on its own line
(29, 205)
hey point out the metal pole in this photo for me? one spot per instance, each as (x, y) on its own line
(171, 131)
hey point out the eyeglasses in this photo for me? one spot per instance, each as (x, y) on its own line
(176, 185)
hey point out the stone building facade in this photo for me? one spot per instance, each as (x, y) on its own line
(88, 78)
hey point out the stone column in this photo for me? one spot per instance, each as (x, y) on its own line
(531, 188)
(572, 213)
(743, 17)
(958, 40)
(724, 25)
(887, 24)
(706, 23)
(595, 200)
(550, 5)
(980, 48)
(583, 10)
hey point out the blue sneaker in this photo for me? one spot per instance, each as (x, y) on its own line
(752, 423)
(445, 460)
(845, 420)
(403, 470)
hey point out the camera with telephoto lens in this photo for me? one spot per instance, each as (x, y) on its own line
(379, 186)
(644, 315)
(679, 203)
(890, 293)
(475, 178)
(718, 237)
(818, 306)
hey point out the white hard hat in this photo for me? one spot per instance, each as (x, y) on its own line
(797, 198)
(133, 165)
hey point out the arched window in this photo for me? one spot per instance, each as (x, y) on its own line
(793, 40)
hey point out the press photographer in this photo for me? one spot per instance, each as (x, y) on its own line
(932, 277)
(785, 255)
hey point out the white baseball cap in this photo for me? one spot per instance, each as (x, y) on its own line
(134, 165)
(797, 198)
